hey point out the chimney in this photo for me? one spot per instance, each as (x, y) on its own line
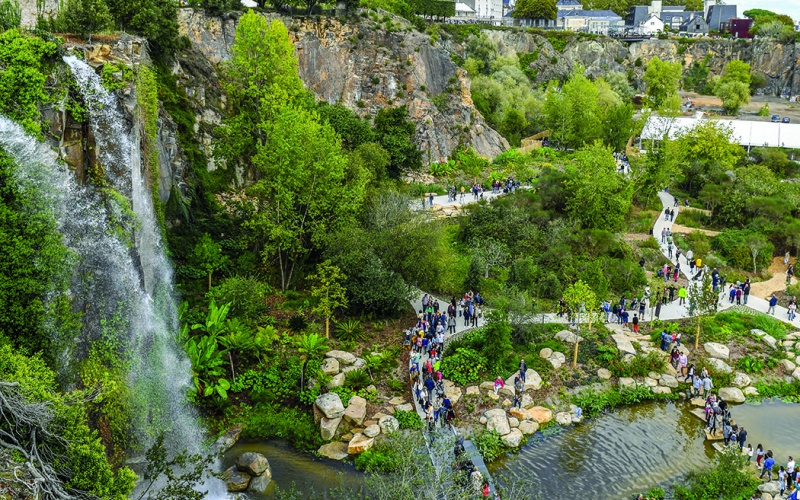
(655, 8)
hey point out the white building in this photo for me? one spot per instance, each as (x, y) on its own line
(489, 10)
(599, 22)
(464, 12)
(750, 134)
(650, 26)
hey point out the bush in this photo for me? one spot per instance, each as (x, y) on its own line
(728, 479)
(350, 330)
(381, 458)
(246, 296)
(463, 367)
(408, 419)
(489, 445)
(293, 424)
(297, 323)
(638, 366)
(357, 379)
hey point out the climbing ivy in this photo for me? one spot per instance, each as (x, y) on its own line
(24, 62)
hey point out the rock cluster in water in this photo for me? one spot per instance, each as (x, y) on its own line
(251, 473)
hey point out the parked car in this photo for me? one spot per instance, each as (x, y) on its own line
(785, 119)
(776, 118)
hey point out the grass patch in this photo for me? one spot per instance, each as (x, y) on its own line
(729, 325)
(642, 221)
(694, 218)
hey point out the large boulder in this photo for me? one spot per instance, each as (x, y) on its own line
(717, 350)
(359, 443)
(330, 366)
(528, 427)
(335, 450)
(388, 424)
(254, 464)
(717, 365)
(787, 365)
(668, 380)
(337, 380)
(496, 420)
(228, 439)
(650, 382)
(513, 438)
(343, 357)
(557, 359)
(533, 381)
(662, 390)
(330, 404)
(770, 487)
(769, 340)
(236, 480)
(564, 418)
(624, 344)
(568, 337)
(796, 373)
(625, 382)
(546, 353)
(732, 394)
(356, 411)
(260, 484)
(741, 380)
(519, 413)
(603, 373)
(372, 430)
(328, 426)
(541, 414)
(750, 391)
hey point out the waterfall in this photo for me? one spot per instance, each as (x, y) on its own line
(121, 287)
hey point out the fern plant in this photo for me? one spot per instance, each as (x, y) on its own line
(350, 330)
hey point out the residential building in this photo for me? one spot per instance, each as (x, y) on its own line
(695, 26)
(719, 17)
(569, 5)
(464, 12)
(650, 26)
(600, 22)
(740, 28)
(489, 10)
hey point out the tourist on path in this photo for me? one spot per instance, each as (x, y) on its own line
(768, 463)
(773, 301)
(743, 438)
(523, 369)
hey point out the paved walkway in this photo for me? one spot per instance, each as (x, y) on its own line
(672, 310)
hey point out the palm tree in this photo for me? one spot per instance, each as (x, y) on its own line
(310, 347)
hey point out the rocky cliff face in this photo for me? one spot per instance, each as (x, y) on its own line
(778, 62)
(366, 67)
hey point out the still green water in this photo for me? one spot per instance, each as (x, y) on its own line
(628, 451)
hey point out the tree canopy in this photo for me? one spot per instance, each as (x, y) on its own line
(663, 81)
(535, 9)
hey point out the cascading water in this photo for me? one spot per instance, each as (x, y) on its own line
(122, 288)
(160, 371)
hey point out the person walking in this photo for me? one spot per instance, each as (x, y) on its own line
(518, 388)
(682, 293)
(773, 301)
(708, 384)
(746, 291)
(743, 438)
(523, 370)
(791, 473)
(635, 323)
(759, 455)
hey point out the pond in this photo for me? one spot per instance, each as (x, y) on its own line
(308, 473)
(631, 450)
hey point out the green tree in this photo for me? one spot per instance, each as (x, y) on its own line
(663, 81)
(156, 20)
(581, 299)
(306, 190)
(83, 17)
(733, 86)
(207, 257)
(396, 135)
(702, 301)
(599, 196)
(535, 9)
(309, 346)
(734, 95)
(704, 153)
(329, 290)
(261, 76)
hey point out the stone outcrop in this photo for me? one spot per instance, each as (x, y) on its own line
(330, 404)
(731, 394)
(360, 443)
(236, 480)
(335, 450)
(328, 426)
(496, 420)
(366, 67)
(717, 350)
(388, 424)
(254, 464)
(356, 410)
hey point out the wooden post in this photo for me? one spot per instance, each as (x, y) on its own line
(327, 321)
(575, 356)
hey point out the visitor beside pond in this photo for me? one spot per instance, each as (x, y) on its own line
(769, 462)
(759, 455)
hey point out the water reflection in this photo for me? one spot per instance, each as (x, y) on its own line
(633, 449)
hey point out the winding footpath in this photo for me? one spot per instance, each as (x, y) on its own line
(670, 311)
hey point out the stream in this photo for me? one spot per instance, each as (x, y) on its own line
(308, 473)
(614, 456)
(628, 451)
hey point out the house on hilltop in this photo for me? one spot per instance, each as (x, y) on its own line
(695, 26)
(599, 22)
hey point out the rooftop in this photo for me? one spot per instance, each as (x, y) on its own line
(745, 132)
